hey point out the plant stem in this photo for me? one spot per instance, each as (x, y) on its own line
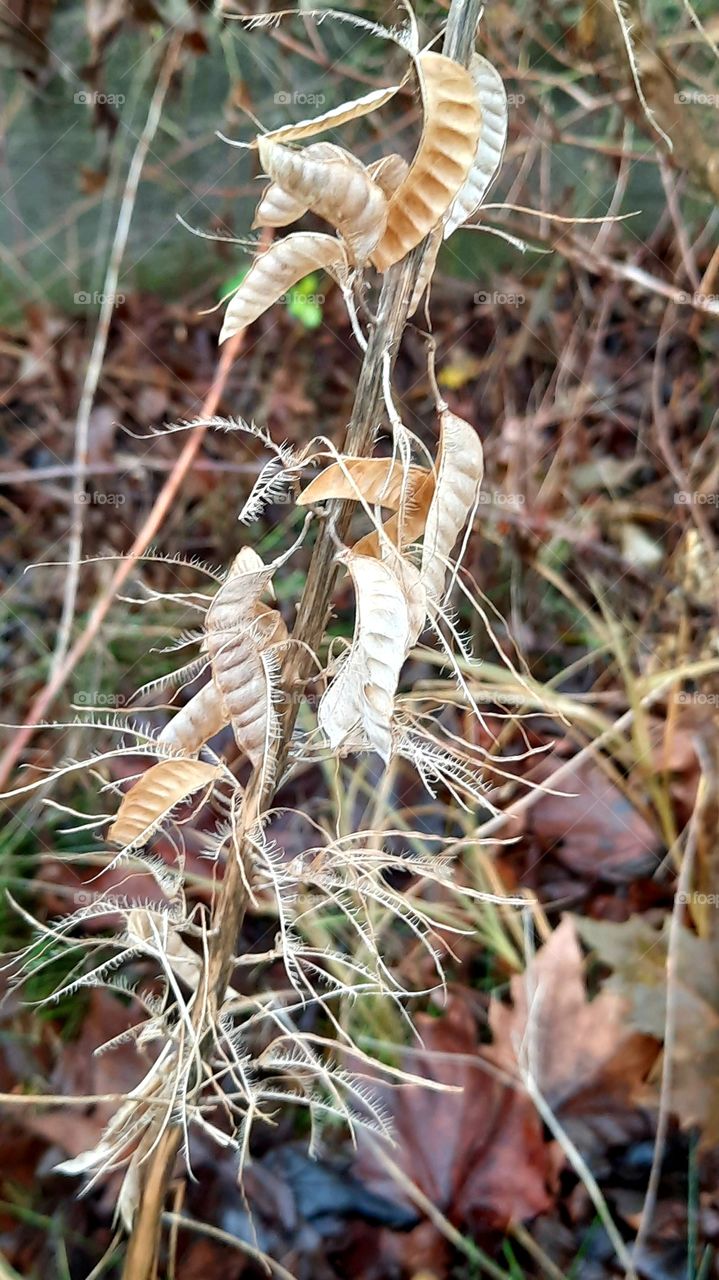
(312, 615)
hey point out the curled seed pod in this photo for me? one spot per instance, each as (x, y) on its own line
(375, 480)
(152, 797)
(276, 270)
(408, 524)
(334, 185)
(492, 98)
(199, 720)
(335, 116)
(448, 145)
(277, 208)
(362, 694)
(389, 172)
(460, 468)
(241, 633)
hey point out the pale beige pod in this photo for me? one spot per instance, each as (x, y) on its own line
(362, 694)
(334, 185)
(460, 469)
(155, 794)
(278, 269)
(452, 122)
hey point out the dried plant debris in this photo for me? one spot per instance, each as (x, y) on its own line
(447, 149)
(276, 270)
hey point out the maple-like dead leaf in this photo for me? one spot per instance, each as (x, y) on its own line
(333, 184)
(447, 149)
(361, 696)
(476, 1152)
(155, 794)
(460, 468)
(492, 99)
(275, 271)
(638, 955)
(589, 1063)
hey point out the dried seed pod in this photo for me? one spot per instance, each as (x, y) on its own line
(276, 270)
(195, 723)
(376, 480)
(389, 172)
(362, 694)
(241, 633)
(448, 145)
(277, 208)
(413, 518)
(460, 468)
(426, 272)
(334, 185)
(335, 116)
(492, 98)
(155, 794)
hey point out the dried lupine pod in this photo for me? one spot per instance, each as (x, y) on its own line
(241, 634)
(195, 723)
(375, 480)
(155, 794)
(335, 186)
(389, 172)
(426, 270)
(460, 468)
(362, 694)
(492, 98)
(413, 518)
(277, 208)
(335, 116)
(452, 121)
(276, 270)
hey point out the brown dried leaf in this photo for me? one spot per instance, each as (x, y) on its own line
(335, 186)
(414, 517)
(589, 1064)
(275, 271)
(452, 121)
(459, 475)
(155, 794)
